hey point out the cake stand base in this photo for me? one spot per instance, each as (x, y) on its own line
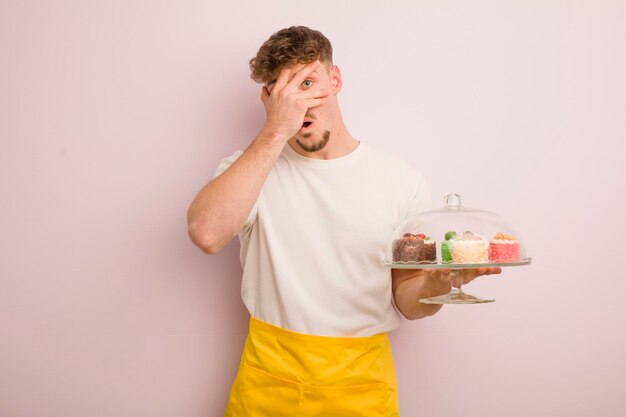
(456, 296)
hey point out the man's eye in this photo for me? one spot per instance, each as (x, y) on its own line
(307, 83)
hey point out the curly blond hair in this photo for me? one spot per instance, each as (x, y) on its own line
(287, 47)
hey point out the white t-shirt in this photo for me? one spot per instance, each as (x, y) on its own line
(313, 246)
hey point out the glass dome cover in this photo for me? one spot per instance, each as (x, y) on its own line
(455, 237)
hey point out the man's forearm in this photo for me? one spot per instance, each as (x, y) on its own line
(409, 288)
(221, 208)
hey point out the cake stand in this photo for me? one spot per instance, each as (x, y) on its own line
(458, 221)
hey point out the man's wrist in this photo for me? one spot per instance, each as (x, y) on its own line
(433, 287)
(273, 136)
(268, 145)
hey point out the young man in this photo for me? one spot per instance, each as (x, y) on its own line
(314, 210)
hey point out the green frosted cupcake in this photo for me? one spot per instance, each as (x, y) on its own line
(446, 249)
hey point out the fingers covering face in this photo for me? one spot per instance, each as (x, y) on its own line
(283, 78)
(312, 93)
(301, 75)
(288, 77)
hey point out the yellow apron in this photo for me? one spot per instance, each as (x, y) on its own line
(283, 373)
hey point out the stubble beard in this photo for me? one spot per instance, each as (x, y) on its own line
(316, 146)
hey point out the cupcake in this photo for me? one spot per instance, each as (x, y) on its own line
(446, 247)
(417, 248)
(504, 248)
(469, 248)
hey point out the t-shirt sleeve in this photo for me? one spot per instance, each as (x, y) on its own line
(420, 198)
(223, 166)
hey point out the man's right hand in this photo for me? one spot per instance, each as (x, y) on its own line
(288, 102)
(222, 207)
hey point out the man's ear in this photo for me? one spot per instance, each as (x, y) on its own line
(335, 78)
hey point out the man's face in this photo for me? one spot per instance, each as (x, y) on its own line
(318, 121)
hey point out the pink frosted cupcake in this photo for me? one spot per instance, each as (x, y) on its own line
(504, 248)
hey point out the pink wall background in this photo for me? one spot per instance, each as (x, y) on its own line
(113, 115)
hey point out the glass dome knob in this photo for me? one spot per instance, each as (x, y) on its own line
(453, 201)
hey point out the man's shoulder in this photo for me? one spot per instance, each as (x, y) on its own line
(389, 160)
(226, 162)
